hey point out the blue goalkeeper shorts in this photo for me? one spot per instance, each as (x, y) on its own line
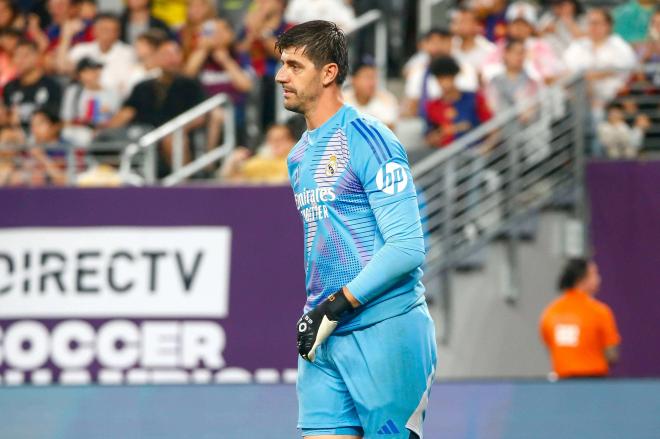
(372, 382)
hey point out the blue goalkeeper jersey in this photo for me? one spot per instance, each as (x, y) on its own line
(354, 190)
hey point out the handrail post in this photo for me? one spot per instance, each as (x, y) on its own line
(514, 132)
(581, 208)
(449, 177)
(177, 149)
(150, 164)
(380, 49)
(229, 126)
(71, 165)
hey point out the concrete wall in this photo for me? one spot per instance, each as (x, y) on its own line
(490, 337)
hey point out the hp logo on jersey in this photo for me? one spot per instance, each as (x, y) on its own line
(392, 178)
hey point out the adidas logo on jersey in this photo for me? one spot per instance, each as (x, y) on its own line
(388, 428)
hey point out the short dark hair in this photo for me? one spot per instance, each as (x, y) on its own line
(605, 13)
(366, 62)
(24, 42)
(614, 105)
(437, 31)
(574, 271)
(466, 10)
(107, 16)
(510, 43)
(286, 126)
(323, 42)
(154, 37)
(444, 66)
(49, 114)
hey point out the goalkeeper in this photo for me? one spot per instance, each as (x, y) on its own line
(366, 339)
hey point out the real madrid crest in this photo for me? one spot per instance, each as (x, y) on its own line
(331, 168)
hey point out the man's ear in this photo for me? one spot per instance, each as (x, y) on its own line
(329, 74)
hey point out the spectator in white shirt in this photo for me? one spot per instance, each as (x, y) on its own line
(605, 58)
(562, 24)
(365, 95)
(337, 11)
(117, 57)
(469, 46)
(541, 61)
(421, 86)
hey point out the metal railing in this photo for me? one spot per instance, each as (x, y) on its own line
(147, 145)
(373, 17)
(485, 184)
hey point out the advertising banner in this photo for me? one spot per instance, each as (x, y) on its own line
(624, 199)
(138, 286)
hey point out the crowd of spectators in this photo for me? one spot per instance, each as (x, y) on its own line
(502, 53)
(90, 75)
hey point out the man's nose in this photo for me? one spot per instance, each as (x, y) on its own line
(281, 76)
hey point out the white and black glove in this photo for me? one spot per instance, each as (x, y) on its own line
(317, 325)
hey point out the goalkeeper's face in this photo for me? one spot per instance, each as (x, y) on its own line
(302, 82)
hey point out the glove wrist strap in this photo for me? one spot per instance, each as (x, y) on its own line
(337, 305)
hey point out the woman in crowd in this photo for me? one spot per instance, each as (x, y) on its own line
(137, 19)
(221, 69)
(199, 23)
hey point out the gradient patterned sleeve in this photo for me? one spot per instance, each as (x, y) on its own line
(380, 162)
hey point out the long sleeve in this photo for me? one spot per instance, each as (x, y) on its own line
(402, 252)
(380, 163)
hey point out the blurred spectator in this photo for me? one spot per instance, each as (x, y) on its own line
(469, 46)
(541, 61)
(172, 12)
(117, 57)
(580, 331)
(10, 15)
(512, 84)
(235, 10)
(9, 38)
(421, 86)
(156, 101)
(88, 105)
(268, 165)
(365, 95)
(262, 26)
(199, 23)
(145, 47)
(631, 20)
(138, 19)
(605, 58)
(562, 24)
(420, 59)
(338, 11)
(456, 112)
(88, 10)
(512, 87)
(32, 88)
(618, 138)
(65, 19)
(44, 162)
(649, 49)
(494, 18)
(221, 69)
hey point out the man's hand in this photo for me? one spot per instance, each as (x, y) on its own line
(317, 325)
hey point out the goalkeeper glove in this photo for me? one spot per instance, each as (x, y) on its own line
(317, 325)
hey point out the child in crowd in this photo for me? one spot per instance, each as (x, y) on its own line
(618, 138)
(87, 105)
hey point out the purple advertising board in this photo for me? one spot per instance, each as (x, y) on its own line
(624, 199)
(149, 285)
